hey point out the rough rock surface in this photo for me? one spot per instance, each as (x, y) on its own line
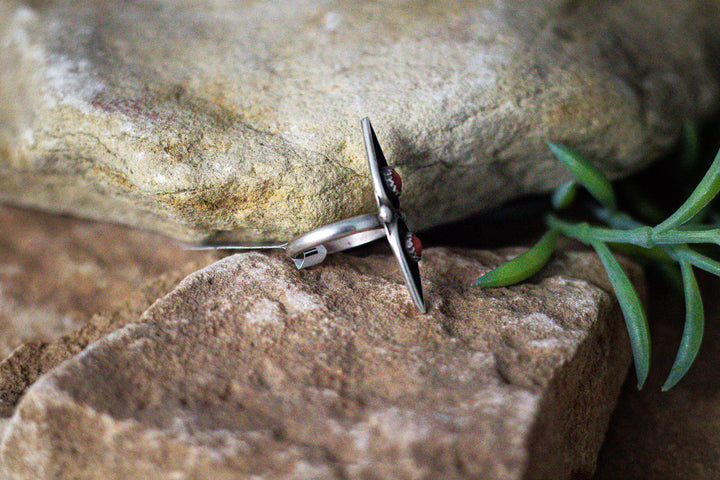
(66, 282)
(251, 367)
(241, 119)
(673, 435)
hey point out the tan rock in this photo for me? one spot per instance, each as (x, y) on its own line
(251, 367)
(240, 119)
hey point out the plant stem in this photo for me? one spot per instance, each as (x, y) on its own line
(642, 236)
(683, 252)
(583, 232)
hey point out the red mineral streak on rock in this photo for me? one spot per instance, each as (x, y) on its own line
(127, 106)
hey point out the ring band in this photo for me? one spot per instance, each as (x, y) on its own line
(311, 248)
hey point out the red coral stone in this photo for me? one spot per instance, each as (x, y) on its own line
(392, 180)
(417, 245)
(396, 180)
(413, 246)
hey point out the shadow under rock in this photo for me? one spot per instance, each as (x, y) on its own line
(676, 434)
(519, 222)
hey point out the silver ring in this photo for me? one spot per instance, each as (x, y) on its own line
(312, 247)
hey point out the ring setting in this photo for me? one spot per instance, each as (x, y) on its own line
(312, 248)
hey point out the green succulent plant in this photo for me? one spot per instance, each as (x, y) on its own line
(675, 241)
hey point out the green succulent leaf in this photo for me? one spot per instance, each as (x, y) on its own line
(694, 326)
(698, 235)
(587, 174)
(707, 189)
(564, 195)
(523, 266)
(703, 262)
(635, 318)
(663, 247)
(643, 236)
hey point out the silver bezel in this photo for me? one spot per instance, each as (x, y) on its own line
(385, 200)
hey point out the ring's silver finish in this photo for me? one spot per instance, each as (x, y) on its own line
(408, 267)
(312, 247)
(388, 201)
(332, 238)
(376, 161)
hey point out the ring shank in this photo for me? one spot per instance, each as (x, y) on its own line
(338, 236)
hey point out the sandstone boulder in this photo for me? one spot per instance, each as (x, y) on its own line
(251, 367)
(226, 119)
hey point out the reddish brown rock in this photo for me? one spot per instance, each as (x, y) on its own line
(66, 282)
(251, 367)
